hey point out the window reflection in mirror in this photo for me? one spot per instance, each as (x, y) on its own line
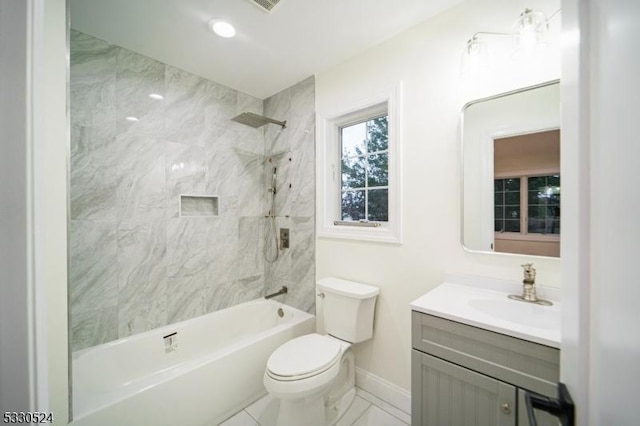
(526, 170)
(511, 172)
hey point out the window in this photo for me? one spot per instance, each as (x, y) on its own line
(358, 169)
(507, 205)
(365, 170)
(543, 204)
(527, 205)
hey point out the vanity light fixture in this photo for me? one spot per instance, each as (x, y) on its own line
(222, 28)
(529, 32)
(476, 54)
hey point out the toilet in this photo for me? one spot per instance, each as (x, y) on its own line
(313, 376)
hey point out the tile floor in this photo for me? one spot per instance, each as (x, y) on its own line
(366, 410)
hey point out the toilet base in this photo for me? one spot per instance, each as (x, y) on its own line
(302, 413)
(314, 413)
(336, 411)
(325, 407)
(341, 395)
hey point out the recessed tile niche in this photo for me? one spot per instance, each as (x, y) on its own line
(198, 205)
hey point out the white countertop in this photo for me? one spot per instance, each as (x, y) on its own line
(490, 309)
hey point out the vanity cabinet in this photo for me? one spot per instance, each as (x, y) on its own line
(464, 375)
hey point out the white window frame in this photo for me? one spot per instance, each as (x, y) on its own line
(329, 170)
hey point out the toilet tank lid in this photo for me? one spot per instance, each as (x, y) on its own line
(347, 288)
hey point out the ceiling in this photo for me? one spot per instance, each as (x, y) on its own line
(271, 51)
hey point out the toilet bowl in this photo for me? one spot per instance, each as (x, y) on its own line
(313, 376)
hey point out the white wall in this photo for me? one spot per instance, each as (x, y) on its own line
(601, 343)
(52, 148)
(427, 59)
(574, 157)
(614, 177)
(33, 123)
(16, 329)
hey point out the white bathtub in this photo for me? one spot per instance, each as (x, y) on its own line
(215, 369)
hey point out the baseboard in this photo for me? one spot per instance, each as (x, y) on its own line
(387, 392)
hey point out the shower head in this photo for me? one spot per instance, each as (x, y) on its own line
(255, 120)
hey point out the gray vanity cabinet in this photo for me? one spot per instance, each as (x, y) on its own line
(462, 396)
(465, 376)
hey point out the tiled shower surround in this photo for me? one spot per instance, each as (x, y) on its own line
(136, 263)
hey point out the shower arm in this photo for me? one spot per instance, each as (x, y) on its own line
(283, 124)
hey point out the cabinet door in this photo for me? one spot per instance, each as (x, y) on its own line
(445, 394)
(542, 417)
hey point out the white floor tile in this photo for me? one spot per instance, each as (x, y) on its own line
(240, 419)
(366, 410)
(358, 407)
(375, 416)
(396, 412)
(264, 411)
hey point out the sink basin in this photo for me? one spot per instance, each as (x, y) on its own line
(491, 309)
(522, 313)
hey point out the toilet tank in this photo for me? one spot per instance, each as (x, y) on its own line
(348, 308)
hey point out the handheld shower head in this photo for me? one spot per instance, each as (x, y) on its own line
(274, 177)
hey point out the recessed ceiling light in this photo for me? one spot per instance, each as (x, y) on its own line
(132, 119)
(222, 28)
(156, 96)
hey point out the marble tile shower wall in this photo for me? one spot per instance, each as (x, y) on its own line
(292, 152)
(135, 264)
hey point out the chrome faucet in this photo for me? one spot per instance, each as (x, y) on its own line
(529, 287)
(529, 283)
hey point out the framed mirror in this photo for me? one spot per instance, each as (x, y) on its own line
(511, 176)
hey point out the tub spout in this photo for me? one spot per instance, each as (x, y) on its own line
(283, 290)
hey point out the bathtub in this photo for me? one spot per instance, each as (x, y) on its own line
(196, 372)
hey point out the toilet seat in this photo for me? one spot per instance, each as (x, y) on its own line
(304, 357)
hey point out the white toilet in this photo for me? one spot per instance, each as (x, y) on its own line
(313, 376)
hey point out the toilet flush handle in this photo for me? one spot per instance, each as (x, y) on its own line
(320, 295)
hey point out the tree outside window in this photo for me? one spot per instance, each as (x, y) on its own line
(365, 170)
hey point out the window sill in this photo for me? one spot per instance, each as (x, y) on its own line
(381, 234)
(527, 237)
